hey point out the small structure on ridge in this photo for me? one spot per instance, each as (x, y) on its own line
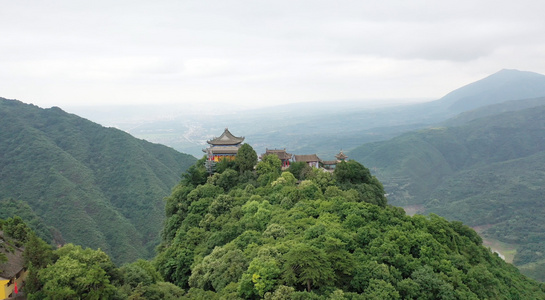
(223, 147)
(282, 155)
(331, 164)
(311, 159)
(13, 274)
(341, 156)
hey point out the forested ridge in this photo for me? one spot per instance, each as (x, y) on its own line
(76, 181)
(259, 233)
(487, 171)
(309, 234)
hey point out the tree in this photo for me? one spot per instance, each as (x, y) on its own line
(308, 265)
(246, 158)
(351, 172)
(268, 169)
(217, 270)
(140, 272)
(300, 169)
(261, 277)
(196, 174)
(78, 274)
(16, 228)
(37, 252)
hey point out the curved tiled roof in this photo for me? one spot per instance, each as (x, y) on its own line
(282, 154)
(226, 138)
(14, 256)
(224, 150)
(307, 158)
(341, 156)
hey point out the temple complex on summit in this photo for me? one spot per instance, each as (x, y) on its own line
(223, 147)
(311, 159)
(226, 147)
(282, 155)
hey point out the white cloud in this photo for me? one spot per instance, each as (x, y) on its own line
(260, 52)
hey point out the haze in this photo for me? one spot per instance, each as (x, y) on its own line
(259, 53)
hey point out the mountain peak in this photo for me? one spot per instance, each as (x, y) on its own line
(504, 85)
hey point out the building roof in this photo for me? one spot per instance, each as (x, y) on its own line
(224, 150)
(329, 162)
(307, 158)
(281, 153)
(341, 156)
(226, 138)
(15, 259)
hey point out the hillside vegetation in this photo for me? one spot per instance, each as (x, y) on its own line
(488, 172)
(93, 186)
(310, 234)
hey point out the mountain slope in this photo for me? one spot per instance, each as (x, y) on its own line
(235, 238)
(502, 86)
(486, 172)
(99, 187)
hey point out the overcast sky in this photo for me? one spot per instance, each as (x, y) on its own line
(257, 53)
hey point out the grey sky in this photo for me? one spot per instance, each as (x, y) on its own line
(256, 53)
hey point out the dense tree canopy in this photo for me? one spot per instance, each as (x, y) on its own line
(326, 236)
(76, 181)
(265, 235)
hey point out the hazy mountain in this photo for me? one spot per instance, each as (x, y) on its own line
(322, 128)
(488, 172)
(499, 87)
(99, 187)
(494, 109)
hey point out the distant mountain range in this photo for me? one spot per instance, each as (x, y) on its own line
(485, 167)
(502, 86)
(473, 155)
(94, 186)
(325, 128)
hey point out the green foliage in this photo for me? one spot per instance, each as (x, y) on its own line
(157, 291)
(12, 207)
(78, 273)
(308, 266)
(83, 183)
(140, 272)
(37, 253)
(196, 174)
(300, 170)
(268, 169)
(246, 158)
(17, 229)
(487, 172)
(322, 240)
(351, 172)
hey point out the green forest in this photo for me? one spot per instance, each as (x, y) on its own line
(251, 231)
(486, 171)
(75, 181)
(305, 233)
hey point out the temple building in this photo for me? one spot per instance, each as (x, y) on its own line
(12, 273)
(311, 159)
(331, 164)
(282, 155)
(341, 156)
(223, 147)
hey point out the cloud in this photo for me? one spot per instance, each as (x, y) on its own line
(261, 52)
